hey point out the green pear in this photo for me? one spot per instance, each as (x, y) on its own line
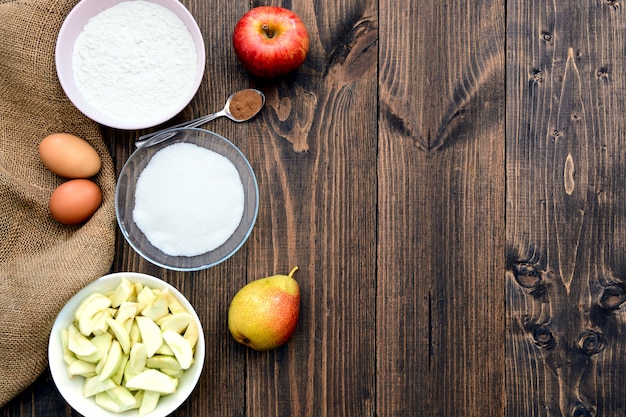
(263, 314)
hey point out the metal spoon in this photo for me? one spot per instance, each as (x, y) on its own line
(159, 136)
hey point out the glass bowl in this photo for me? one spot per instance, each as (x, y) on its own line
(151, 249)
(71, 388)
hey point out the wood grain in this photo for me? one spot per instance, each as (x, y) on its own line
(441, 212)
(565, 226)
(449, 178)
(315, 159)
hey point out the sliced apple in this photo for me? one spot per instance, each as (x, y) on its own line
(68, 356)
(102, 343)
(174, 373)
(123, 292)
(78, 343)
(120, 333)
(81, 368)
(122, 397)
(181, 348)
(164, 350)
(146, 296)
(112, 362)
(149, 401)
(153, 380)
(192, 333)
(93, 386)
(118, 376)
(174, 305)
(158, 308)
(126, 313)
(137, 360)
(99, 323)
(84, 303)
(176, 322)
(163, 362)
(86, 317)
(134, 334)
(150, 334)
(104, 400)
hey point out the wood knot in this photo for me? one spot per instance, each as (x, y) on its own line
(591, 342)
(612, 297)
(530, 278)
(582, 410)
(543, 337)
(546, 36)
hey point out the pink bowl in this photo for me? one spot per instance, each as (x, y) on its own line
(72, 28)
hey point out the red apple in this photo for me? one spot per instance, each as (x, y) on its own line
(270, 41)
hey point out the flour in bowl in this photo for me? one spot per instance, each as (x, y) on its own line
(188, 200)
(135, 61)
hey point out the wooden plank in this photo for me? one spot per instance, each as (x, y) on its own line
(315, 158)
(440, 303)
(565, 220)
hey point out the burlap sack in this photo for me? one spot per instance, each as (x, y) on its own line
(42, 263)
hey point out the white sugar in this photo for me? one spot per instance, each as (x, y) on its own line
(189, 200)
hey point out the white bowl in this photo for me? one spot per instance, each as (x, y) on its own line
(72, 27)
(71, 389)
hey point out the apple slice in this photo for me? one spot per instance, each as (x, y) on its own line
(136, 361)
(122, 397)
(181, 348)
(174, 373)
(149, 401)
(112, 362)
(176, 322)
(81, 368)
(122, 336)
(159, 306)
(150, 334)
(86, 317)
(99, 323)
(134, 334)
(163, 362)
(93, 386)
(174, 305)
(102, 343)
(164, 350)
(78, 343)
(104, 400)
(153, 380)
(126, 313)
(68, 356)
(85, 303)
(118, 376)
(146, 296)
(122, 292)
(192, 334)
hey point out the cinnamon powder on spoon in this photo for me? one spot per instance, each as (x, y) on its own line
(245, 104)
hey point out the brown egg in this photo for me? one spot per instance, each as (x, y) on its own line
(75, 201)
(69, 156)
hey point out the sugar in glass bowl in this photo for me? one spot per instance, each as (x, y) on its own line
(129, 64)
(189, 202)
(71, 388)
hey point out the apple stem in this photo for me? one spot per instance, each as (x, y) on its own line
(268, 32)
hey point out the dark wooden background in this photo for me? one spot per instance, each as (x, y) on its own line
(449, 177)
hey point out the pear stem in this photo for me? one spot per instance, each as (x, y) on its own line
(295, 268)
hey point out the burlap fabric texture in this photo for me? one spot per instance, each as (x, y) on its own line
(42, 263)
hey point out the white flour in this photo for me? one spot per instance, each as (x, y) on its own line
(135, 61)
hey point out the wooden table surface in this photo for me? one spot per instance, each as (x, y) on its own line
(450, 179)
